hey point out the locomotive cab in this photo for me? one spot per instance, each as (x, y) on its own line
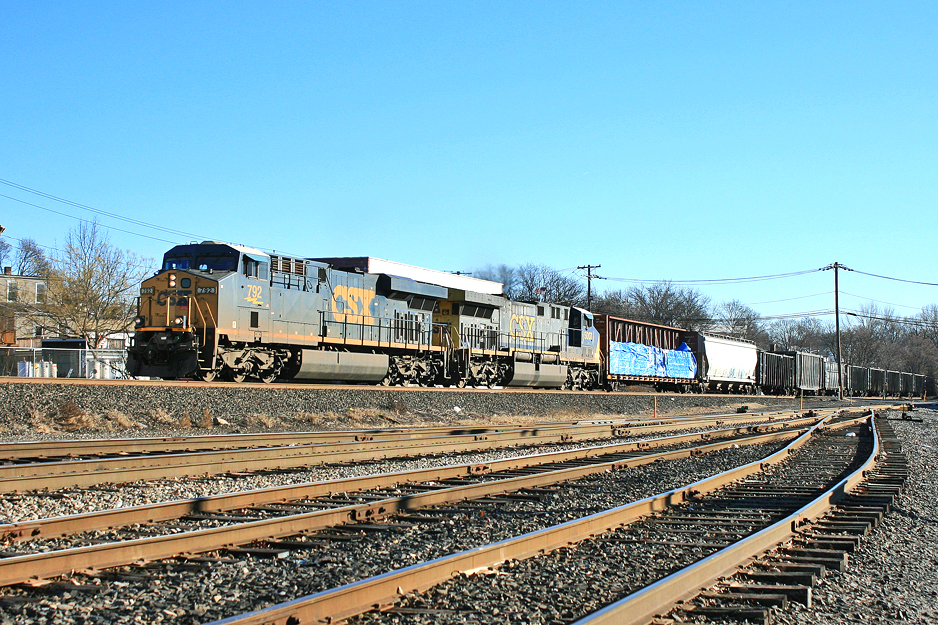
(177, 323)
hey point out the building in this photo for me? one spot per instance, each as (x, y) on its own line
(17, 293)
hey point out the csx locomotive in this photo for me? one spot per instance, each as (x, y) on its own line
(216, 309)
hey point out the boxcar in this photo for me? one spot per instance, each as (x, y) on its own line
(832, 381)
(893, 383)
(905, 384)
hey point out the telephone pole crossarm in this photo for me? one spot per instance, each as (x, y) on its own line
(589, 283)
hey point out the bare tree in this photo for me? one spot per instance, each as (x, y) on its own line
(30, 259)
(927, 324)
(807, 334)
(665, 304)
(90, 287)
(502, 273)
(4, 252)
(541, 283)
(736, 319)
(615, 303)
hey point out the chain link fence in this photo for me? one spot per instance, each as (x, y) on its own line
(62, 363)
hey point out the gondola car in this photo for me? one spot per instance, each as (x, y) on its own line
(775, 374)
(637, 352)
(809, 372)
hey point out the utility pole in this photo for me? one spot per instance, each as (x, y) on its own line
(840, 382)
(589, 283)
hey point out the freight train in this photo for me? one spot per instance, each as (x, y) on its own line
(216, 310)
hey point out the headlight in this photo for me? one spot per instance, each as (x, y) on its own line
(179, 321)
(172, 279)
(139, 320)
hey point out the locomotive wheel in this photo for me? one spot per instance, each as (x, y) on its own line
(235, 376)
(208, 375)
(268, 376)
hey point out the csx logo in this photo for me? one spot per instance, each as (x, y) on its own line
(522, 326)
(175, 298)
(352, 304)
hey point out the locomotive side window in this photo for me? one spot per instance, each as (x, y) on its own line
(255, 319)
(249, 267)
(575, 333)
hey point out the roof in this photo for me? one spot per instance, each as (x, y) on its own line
(369, 264)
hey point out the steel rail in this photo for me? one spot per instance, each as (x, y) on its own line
(17, 569)
(165, 511)
(351, 599)
(164, 444)
(83, 473)
(215, 442)
(659, 598)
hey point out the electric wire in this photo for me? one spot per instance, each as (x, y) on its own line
(873, 275)
(790, 299)
(879, 301)
(714, 280)
(98, 211)
(85, 220)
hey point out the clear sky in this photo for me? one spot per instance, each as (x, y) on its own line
(661, 140)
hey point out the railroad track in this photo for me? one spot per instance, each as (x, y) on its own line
(212, 523)
(486, 490)
(635, 537)
(36, 466)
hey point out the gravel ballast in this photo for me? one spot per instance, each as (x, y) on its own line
(891, 579)
(30, 410)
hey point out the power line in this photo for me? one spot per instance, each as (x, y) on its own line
(19, 247)
(85, 220)
(920, 323)
(790, 299)
(880, 301)
(716, 280)
(873, 275)
(98, 211)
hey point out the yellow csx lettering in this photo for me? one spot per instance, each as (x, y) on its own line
(255, 293)
(356, 304)
(522, 326)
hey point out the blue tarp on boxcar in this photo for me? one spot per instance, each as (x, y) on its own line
(643, 360)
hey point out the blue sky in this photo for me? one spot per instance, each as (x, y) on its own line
(676, 140)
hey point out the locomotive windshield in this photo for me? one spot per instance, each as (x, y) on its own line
(218, 261)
